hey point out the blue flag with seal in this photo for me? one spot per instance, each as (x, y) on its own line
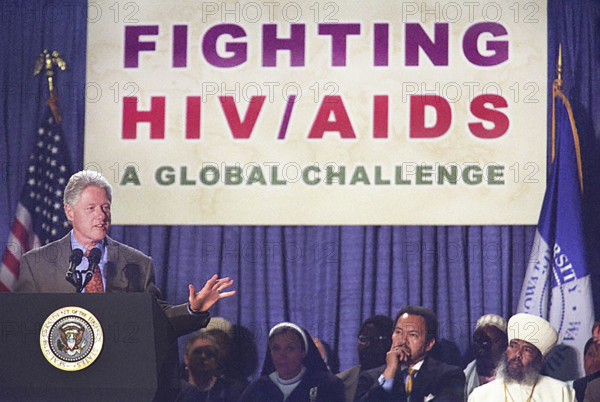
(557, 284)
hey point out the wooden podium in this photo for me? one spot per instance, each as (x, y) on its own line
(138, 360)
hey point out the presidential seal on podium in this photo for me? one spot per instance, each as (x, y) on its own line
(71, 338)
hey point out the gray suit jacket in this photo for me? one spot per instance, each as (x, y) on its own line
(127, 270)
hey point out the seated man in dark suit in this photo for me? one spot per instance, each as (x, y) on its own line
(409, 373)
(374, 341)
(119, 268)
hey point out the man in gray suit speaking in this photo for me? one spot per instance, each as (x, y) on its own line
(115, 266)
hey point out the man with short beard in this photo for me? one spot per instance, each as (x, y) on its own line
(518, 377)
(489, 344)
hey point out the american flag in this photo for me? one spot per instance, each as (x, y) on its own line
(39, 217)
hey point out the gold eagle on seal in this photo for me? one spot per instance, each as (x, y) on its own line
(71, 338)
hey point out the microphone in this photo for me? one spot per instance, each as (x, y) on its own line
(74, 261)
(93, 260)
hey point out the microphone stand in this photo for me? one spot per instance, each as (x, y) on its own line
(73, 276)
(78, 278)
(93, 261)
(80, 285)
(88, 275)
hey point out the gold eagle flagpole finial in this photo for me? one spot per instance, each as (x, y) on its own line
(51, 62)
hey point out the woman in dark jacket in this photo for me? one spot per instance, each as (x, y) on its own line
(204, 384)
(293, 371)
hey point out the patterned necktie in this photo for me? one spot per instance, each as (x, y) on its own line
(409, 381)
(95, 285)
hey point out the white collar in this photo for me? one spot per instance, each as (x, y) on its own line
(275, 376)
(417, 365)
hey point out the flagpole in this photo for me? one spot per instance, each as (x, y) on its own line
(559, 68)
(557, 92)
(556, 89)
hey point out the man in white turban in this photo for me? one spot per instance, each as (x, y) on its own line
(489, 345)
(518, 376)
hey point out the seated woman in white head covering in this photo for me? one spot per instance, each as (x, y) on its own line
(293, 370)
(518, 376)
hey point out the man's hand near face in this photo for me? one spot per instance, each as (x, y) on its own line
(394, 358)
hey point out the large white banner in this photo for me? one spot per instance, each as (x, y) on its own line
(322, 112)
